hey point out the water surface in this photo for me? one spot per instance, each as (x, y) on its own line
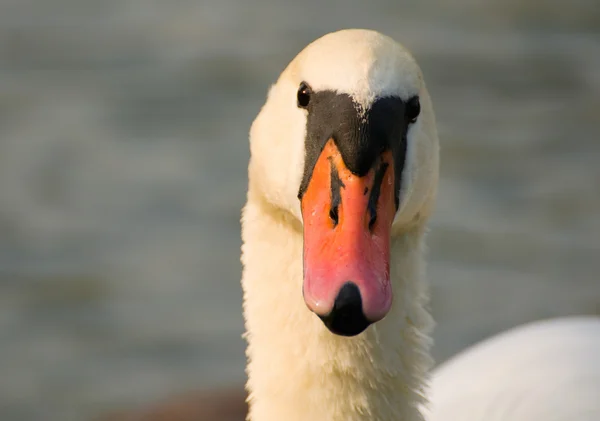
(123, 154)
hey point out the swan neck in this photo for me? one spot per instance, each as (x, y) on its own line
(297, 369)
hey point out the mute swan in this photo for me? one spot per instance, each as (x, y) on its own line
(342, 179)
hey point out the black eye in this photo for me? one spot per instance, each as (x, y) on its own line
(413, 108)
(304, 93)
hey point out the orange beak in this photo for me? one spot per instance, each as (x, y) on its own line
(347, 225)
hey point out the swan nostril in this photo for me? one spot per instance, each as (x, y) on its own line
(375, 192)
(334, 215)
(347, 317)
(336, 185)
(372, 217)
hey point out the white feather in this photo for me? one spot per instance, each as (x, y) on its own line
(548, 370)
(297, 369)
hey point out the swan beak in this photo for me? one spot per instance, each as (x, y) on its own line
(347, 222)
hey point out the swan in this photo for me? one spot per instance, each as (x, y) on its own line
(341, 182)
(342, 179)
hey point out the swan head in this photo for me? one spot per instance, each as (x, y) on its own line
(346, 144)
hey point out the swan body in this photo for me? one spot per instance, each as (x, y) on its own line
(297, 368)
(546, 370)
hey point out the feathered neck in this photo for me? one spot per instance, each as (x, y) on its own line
(297, 369)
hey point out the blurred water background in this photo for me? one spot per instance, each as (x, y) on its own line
(123, 155)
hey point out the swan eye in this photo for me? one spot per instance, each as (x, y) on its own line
(413, 108)
(304, 93)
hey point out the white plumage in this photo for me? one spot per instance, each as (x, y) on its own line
(547, 370)
(297, 369)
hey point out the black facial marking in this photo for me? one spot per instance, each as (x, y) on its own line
(336, 185)
(360, 137)
(374, 198)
